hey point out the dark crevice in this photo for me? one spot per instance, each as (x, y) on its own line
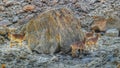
(119, 33)
(34, 51)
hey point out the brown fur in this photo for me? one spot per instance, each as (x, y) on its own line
(3, 66)
(100, 23)
(118, 65)
(89, 34)
(16, 38)
(92, 41)
(76, 46)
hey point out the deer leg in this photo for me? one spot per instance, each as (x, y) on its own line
(11, 44)
(20, 43)
(73, 52)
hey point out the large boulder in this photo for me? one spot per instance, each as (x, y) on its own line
(53, 31)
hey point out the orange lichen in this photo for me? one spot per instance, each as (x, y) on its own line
(28, 7)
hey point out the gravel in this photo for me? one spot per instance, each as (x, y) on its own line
(13, 14)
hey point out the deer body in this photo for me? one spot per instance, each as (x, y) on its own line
(16, 38)
(89, 34)
(92, 41)
(80, 45)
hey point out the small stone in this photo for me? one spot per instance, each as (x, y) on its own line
(15, 19)
(1, 18)
(73, 1)
(55, 2)
(19, 11)
(77, 5)
(9, 3)
(3, 31)
(2, 8)
(29, 8)
(5, 23)
(54, 58)
(112, 32)
(29, 16)
(4, 1)
(44, 1)
(2, 39)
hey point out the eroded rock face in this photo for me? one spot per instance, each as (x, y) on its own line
(52, 31)
(112, 33)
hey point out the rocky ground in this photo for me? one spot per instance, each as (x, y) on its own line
(16, 13)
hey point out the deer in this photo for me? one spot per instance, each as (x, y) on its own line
(89, 34)
(92, 41)
(79, 45)
(14, 37)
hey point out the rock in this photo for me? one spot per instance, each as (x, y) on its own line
(54, 58)
(5, 22)
(86, 21)
(41, 60)
(15, 19)
(53, 31)
(102, 1)
(73, 1)
(91, 1)
(2, 39)
(3, 30)
(1, 18)
(112, 32)
(2, 8)
(113, 22)
(29, 8)
(9, 3)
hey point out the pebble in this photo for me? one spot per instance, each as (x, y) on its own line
(1, 18)
(5, 22)
(54, 58)
(2, 39)
(2, 8)
(15, 19)
(29, 8)
(73, 1)
(9, 3)
(3, 31)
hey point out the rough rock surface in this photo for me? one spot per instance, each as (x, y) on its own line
(53, 30)
(112, 32)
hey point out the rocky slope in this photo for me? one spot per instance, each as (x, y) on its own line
(17, 13)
